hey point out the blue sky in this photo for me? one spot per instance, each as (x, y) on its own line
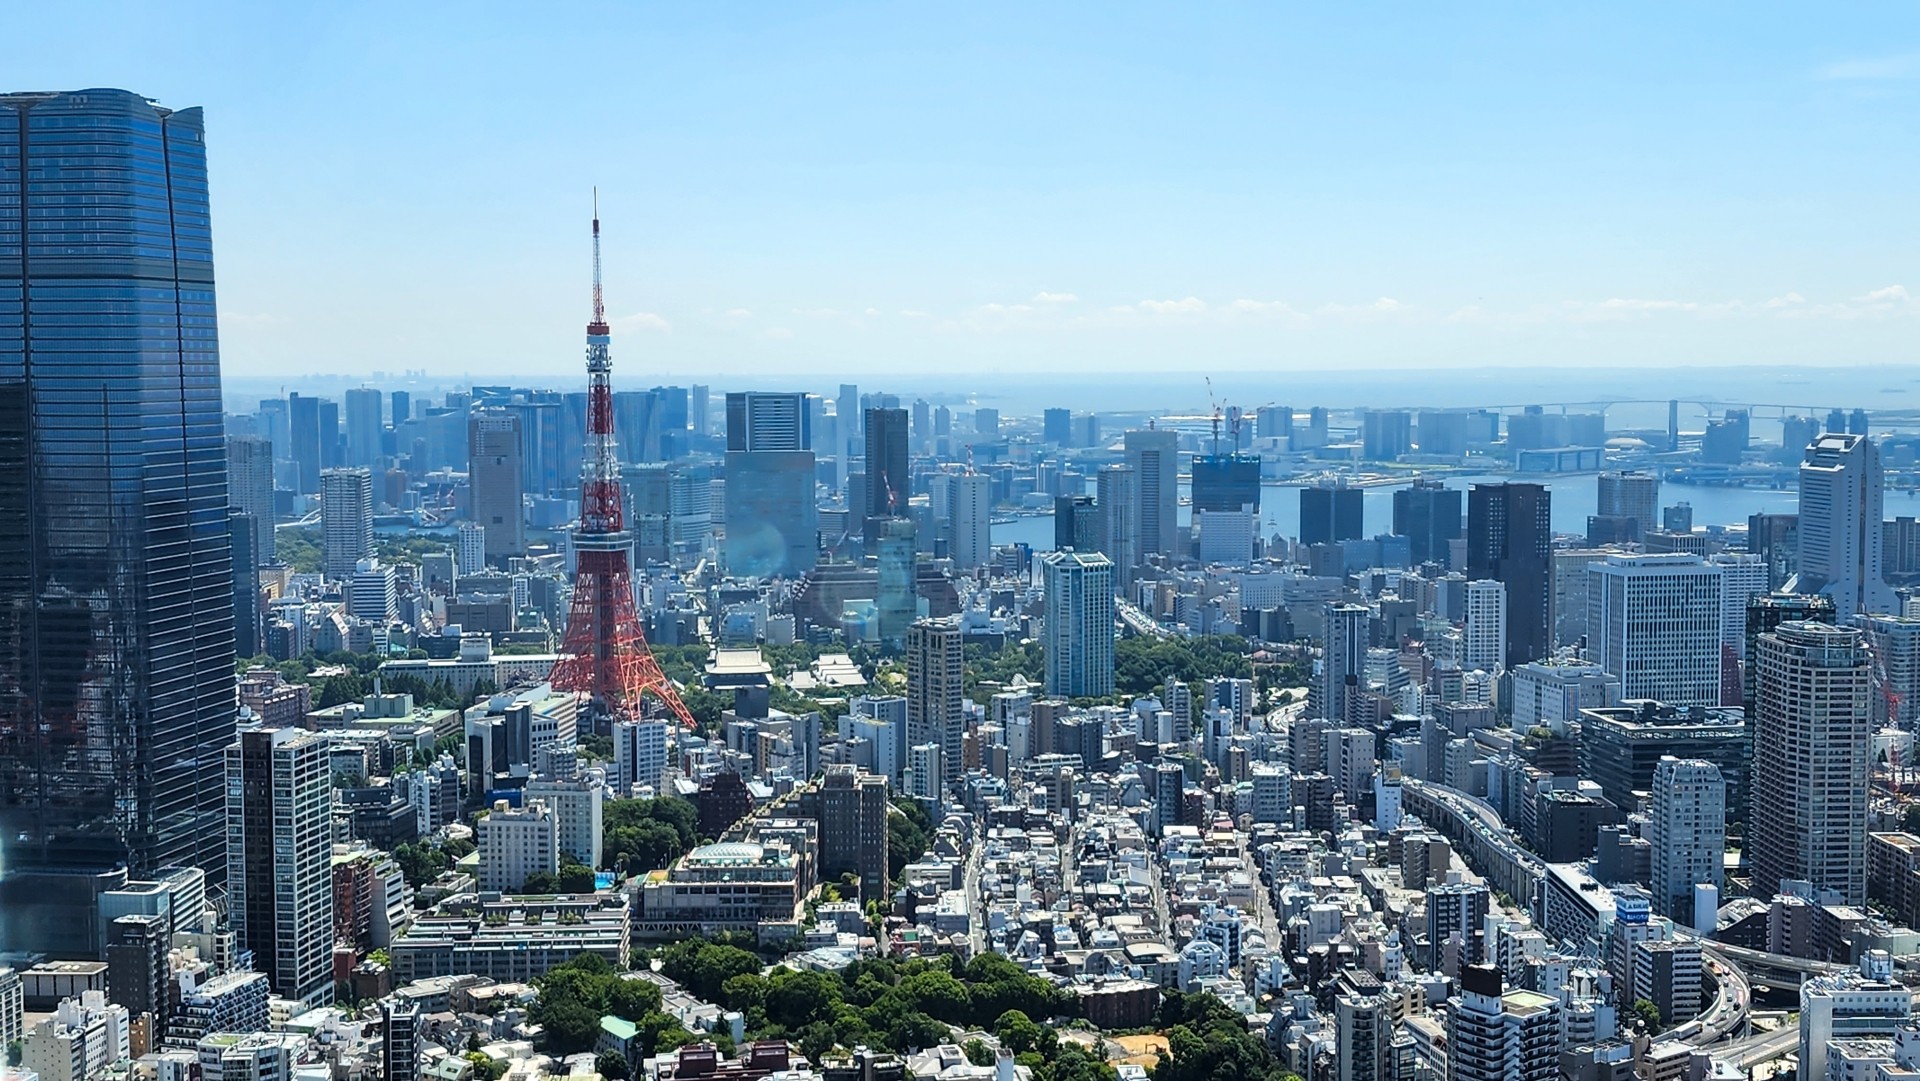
(1019, 188)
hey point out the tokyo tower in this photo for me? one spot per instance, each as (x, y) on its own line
(605, 654)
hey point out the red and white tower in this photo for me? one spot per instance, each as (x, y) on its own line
(606, 655)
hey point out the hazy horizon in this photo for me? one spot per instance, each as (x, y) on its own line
(999, 189)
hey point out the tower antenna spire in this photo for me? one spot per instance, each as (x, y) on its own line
(598, 326)
(605, 656)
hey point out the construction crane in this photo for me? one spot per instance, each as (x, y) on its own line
(1213, 401)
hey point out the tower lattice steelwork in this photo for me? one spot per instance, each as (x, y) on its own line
(606, 651)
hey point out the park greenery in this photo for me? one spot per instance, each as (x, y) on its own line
(641, 835)
(895, 1005)
(357, 681)
(909, 827)
(576, 995)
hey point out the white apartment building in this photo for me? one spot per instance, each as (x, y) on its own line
(1869, 1001)
(516, 842)
(1484, 631)
(1688, 831)
(576, 805)
(639, 757)
(1812, 739)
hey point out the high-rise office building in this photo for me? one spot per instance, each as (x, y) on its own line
(364, 426)
(250, 489)
(1509, 538)
(496, 483)
(1076, 523)
(241, 530)
(1330, 513)
(972, 509)
(851, 808)
(1812, 738)
(936, 677)
(1056, 427)
(1630, 495)
(986, 422)
(1688, 828)
(1654, 621)
(279, 799)
(116, 583)
(1079, 624)
(1385, 434)
(888, 484)
(1841, 536)
(1483, 636)
(303, 433)
(1154, 456)
(1117, 494)
(346, 520)
(1226, 482)
(773, 519)
(1742, 578)
(1427, 513)
(332, 447)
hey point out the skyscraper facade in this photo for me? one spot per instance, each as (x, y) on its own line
(1841, 535)
(1427, 513)
(1484, 631)
(1154, 456)
(1688, 828)
(1346, 658)
(1079, 624)
(346, 520)
(1117, 495)
(1812, 737)
(279, 806)
(936, 678)
(888, 484)
(250, 489)
(972, 509)
(1654, 621)
(773, 519)
(1630, 495)
(1509, 538)
(116, 584)
(1331, 513)
(1226, 482)
(364, 426)
(496, 484)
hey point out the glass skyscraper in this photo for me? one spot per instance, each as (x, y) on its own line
(116, 584)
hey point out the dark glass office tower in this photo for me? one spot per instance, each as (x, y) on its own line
(1226, 482)
(1510, 540)
(888, 484)
(1428, 515)
(1331, 514)
(116, 583)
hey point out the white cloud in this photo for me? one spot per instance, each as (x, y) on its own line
(1044, 297)
(1785, 300)
(1188, 306)
(871, 312)
(651, 321)
(1005, 309)
(737, 315)
(777, 334)
(1892, 294)
(816, 313)
(1901, 66)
